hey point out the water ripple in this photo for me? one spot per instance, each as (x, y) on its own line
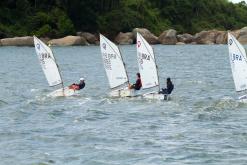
(201, 124)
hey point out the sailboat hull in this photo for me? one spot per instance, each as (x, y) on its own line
(63, 93)
(155, 96)
(124, 93)
(243, 99)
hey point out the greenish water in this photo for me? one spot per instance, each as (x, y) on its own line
(202, 124)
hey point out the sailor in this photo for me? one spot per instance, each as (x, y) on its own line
(79, 86)
(169, 87)
(138, 84)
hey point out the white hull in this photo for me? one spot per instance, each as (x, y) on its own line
(155, 96)
(124, 93)
(243, 99)
(60, 92)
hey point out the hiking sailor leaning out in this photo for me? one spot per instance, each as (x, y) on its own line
(79, 86)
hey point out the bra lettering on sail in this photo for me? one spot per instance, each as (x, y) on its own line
(236, 57)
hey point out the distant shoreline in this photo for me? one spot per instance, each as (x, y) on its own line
(168, 37)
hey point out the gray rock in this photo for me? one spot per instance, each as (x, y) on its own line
(185, 38)
(97, 43)
(17, 41)
(236, 33)
(168, 37)
(221, 37)
(150, 37)
(243, 36)
(91, 39)
(125, 38)
(206, 37)
(69, 41)
(45, 39)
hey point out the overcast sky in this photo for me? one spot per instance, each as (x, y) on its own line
(236, 1)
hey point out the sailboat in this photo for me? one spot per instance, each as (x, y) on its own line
(238, 61)
(148, 69)
(51, 69)
(115, 69)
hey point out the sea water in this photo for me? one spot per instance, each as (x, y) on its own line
(201, 124)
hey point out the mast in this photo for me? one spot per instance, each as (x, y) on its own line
(124, 65)
(156, 68)
(59, 71)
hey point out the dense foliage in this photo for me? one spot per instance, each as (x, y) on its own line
(56, 18)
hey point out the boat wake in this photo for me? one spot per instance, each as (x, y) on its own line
(217, 110)
(225, 103)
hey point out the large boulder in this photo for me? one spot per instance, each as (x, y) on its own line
(243, 36)
(236, 33)
(68, 41)
(45, 39)
(125, 38)
(221, 37)
(168, 37)
(185, 38)
(150, 37)
(206, 37)
(91, 39)
(17, 41)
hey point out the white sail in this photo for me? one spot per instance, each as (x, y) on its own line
(47, 62)
(147, 64)
(238, 63)
(113, 63)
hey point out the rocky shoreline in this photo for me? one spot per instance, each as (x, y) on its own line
(168, 37)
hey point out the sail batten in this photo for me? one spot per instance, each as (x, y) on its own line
(113, 63)
(237, 57)
(146, 63)
(47, 62)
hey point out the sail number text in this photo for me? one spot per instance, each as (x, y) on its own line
(236, 57)
(44, 56)
(143, 56)
(107, 60)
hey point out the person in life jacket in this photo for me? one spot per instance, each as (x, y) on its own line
(138, 84)
(169, 87)
(79, 86)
